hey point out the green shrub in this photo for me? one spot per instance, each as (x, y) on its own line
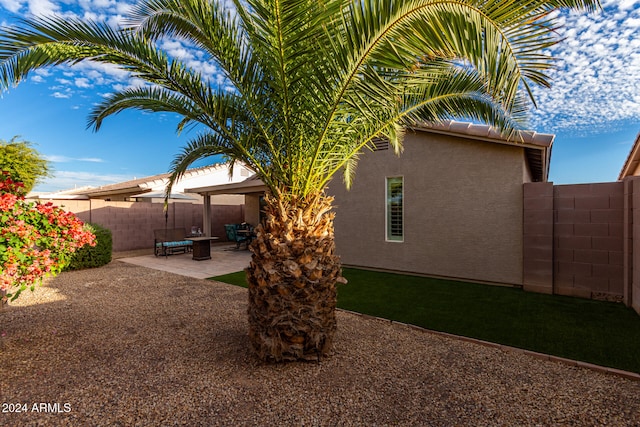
(93, 256)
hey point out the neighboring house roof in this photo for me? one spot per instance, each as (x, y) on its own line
(631, 165)
(143, 187)
(537, 146)
(134, 186)
(71, 194)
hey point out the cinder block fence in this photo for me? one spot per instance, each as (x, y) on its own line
(580, 240)
(132, 223)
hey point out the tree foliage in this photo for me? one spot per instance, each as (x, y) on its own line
(94, 256)
(314, 81)
(23, 162)
(36, 240)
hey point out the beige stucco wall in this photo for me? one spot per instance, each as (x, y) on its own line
(462, 210)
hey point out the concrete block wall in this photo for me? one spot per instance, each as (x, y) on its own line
(132, 223)
(632, 291)
(589, 240)
(577, 239)
(538, 237)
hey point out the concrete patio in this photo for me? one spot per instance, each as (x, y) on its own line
(223, 261)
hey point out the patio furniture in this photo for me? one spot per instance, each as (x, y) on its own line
(201, 247)
(168, 241)
(238, 234)
(246, 230)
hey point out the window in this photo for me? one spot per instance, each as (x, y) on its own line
(395, 226)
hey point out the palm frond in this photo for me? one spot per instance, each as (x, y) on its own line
(149, 98)
(314, 82)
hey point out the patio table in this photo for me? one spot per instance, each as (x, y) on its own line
(201, 247)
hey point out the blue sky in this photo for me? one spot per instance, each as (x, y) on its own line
(593, 106)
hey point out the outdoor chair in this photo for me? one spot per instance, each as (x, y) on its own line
(169, 241)
(233, 236)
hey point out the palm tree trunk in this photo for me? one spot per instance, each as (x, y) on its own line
(292, 280)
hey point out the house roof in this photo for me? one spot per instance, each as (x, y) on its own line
(537, 146)
(71, 194)
(632, 163)
(140, 185)
(133, 186)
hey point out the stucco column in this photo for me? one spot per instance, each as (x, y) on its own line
(206, 215)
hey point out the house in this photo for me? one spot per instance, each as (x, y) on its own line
(449, 206)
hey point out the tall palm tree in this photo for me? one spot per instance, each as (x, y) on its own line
(314, 83)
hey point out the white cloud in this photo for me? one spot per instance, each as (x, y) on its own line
(108, 71)
(102, 3)
(123, 8)
(116, 21)
(626, 4)
(61, 95)
(43, 7)
(64, 180)
(55, 158)
(40, 75)
(598, 76)
(175, 49)
(632, 22)
(11, 5)
(82, 82)
(132, 83)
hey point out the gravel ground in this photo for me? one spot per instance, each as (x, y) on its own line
(125, 346)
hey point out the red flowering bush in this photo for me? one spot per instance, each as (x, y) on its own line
(36, 240)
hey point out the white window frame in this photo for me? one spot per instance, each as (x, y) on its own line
(388, 237)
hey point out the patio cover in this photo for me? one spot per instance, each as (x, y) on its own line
(250, 185)
(160, 195)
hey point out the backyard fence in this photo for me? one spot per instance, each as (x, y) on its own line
(580, 240)
(132, 223)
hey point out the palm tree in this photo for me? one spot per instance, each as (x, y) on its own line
(314, 83)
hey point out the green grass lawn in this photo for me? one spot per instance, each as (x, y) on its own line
(598, 332)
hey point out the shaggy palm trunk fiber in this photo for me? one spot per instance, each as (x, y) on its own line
(292, 280)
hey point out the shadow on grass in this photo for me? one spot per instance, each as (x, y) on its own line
(603, 333)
